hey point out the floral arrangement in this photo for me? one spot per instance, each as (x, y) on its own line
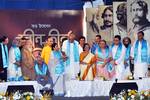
(25, 96)
(131, 95)
(46, 95)
(28, 96)
(17, 96)
(2, 96)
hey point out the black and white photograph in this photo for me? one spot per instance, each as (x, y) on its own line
(138, 18)
(120, 19)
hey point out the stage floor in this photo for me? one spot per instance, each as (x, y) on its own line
(81, 98)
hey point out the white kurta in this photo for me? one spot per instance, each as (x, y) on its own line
(80, 49)
(13, 70)
(140, 68)
(72, 69)
(119, 68)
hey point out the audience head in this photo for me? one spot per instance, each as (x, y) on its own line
(49, 41)
(98, 39)
(103, 44)
(126, 41)
(82, 40)
(117, 39)
(140, 35)
(86, 47)
(55, 47)
(5, 40)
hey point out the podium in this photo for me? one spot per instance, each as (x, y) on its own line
(118, 87)
(20, 88)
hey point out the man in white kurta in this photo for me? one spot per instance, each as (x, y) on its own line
(70, 47)
(14, 68)
(118, 54)
(140, 66)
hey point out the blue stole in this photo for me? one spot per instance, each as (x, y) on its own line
(109, 66)
(144, 51)
(59, 67)
(75, 52)
(101, 55)
(17, 53)
(118, 53)
(94, 47)
(128, 52)
(4, 55)
(41, 71)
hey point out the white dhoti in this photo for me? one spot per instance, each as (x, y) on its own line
(140, 70)
(119, 71)
(71, 71)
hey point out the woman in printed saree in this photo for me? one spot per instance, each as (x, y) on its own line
(56, 67)
(105, 69)
(87, 64)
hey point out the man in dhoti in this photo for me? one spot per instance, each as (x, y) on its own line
(70, 47)
(118, 54)
(14, 72)
(141, 53)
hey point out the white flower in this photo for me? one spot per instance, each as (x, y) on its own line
(30, 93)
(146, 93)
(129, 90)
(132, 96)
(141, 97)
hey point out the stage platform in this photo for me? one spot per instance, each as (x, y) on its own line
(76, 88)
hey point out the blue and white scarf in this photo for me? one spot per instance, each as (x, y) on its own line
(42, 71)
(17, 53)
(59, 67)
(144, 51)
(75, 52)
(4, 55)
(109, 66)
(119, 50)
(127, 55)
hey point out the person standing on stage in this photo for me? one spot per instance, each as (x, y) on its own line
(27, 65)
(14, 69)
(70, 47)
(81, 44)
(105, 68)
(3, 58)
(141, 55)
(47, 50)
(127, 65)
(87, 64)
(96, 43)
(56, 68)
(118, 55)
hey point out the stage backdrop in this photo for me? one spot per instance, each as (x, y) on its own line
(38, 24)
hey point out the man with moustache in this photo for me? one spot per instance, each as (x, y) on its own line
(106, 28)
(120, 28)
(139, 9)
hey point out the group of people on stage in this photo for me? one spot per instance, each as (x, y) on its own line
(54, 66)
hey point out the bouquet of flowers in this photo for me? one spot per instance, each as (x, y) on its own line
(131, 95)
(2, 96)
(144, 95)
(46, 95)
(28, 96)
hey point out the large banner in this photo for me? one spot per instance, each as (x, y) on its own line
(38, 24)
